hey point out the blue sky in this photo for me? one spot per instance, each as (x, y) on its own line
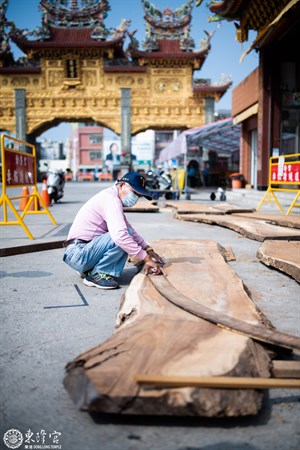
(223, 58)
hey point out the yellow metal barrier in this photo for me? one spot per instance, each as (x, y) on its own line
(19, 170)
(178, 178)
(283, 171)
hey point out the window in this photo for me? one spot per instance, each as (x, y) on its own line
(290, 132)
(95, 156)
(95, 138)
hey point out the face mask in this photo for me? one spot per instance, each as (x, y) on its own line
(130, 199)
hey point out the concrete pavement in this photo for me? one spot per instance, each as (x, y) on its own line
(49, 317)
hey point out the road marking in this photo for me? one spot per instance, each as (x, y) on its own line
(84, 301)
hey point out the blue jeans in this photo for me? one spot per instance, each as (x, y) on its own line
(101, 254)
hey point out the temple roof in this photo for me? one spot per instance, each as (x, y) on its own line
(168, 36)
(213, 88)
(248, 14)
(67, 38)
(168, 25)
(169, 49)
(70, 24)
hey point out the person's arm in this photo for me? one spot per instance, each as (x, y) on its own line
(112, 211)
(140, 240)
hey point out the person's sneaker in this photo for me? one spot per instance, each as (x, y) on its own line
(101, 281)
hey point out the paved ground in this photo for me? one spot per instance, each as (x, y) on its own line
(49, 317)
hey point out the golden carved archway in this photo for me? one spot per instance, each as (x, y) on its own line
(75, 72)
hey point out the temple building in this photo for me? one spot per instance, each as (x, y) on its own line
(267, 102)
(76, 70)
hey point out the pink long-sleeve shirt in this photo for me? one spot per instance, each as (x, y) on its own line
(104, 213)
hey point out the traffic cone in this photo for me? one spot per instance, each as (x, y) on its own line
(34, 205)
(24, 198)
(45, 194)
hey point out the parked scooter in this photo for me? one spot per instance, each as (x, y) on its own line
(55, 184)
(159, 180)
(220, 191)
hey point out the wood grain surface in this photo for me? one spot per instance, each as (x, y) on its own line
(255, 229)
(193, 207)
(284, 256)
(153, 336)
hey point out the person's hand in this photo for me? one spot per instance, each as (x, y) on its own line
(152, 267)
(154, 255)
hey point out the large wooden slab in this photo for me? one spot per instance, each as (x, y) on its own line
(155, 337)
(186, 207)
(192, 207)
(284, 256)
(256, 229)
(143, 206)
(290, 221)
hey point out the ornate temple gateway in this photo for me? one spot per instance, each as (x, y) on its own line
(74, 69)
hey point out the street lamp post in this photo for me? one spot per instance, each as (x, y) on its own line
(74, 158)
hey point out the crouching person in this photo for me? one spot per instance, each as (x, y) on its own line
(100, 238)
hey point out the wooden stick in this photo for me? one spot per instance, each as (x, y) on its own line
(286, 369)
(217, 382)
(257, 332)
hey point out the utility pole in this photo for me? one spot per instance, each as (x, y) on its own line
(126, 163)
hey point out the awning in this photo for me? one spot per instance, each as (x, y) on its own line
(221, 136)
(246, 114)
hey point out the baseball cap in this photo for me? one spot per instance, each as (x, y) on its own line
(137, 182)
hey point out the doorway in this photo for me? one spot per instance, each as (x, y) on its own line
(253, 157)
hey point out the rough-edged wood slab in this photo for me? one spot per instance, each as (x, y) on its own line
(222, 320)
(154, 336)
(186, 207)
(231, 209)
(284, 256)
(256, 229)
(143, 206)
(192, 207)
(290, 221)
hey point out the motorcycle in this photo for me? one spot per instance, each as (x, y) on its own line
(55, 184)
(159, 181)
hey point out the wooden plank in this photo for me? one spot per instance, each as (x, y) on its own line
(233, 209)
(290, 221)
(222, 320)
(286, 369)
(192, 207)
(229, 254)
(217, 382)
(31, 248)
(154, 336)
(258, 230)
(284, 256)
(143, 206)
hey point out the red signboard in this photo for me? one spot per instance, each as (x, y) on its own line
(290, 173)
(19, 168)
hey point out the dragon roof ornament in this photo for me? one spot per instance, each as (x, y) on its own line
(76, 13)
(80, 13)
(168, 25)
